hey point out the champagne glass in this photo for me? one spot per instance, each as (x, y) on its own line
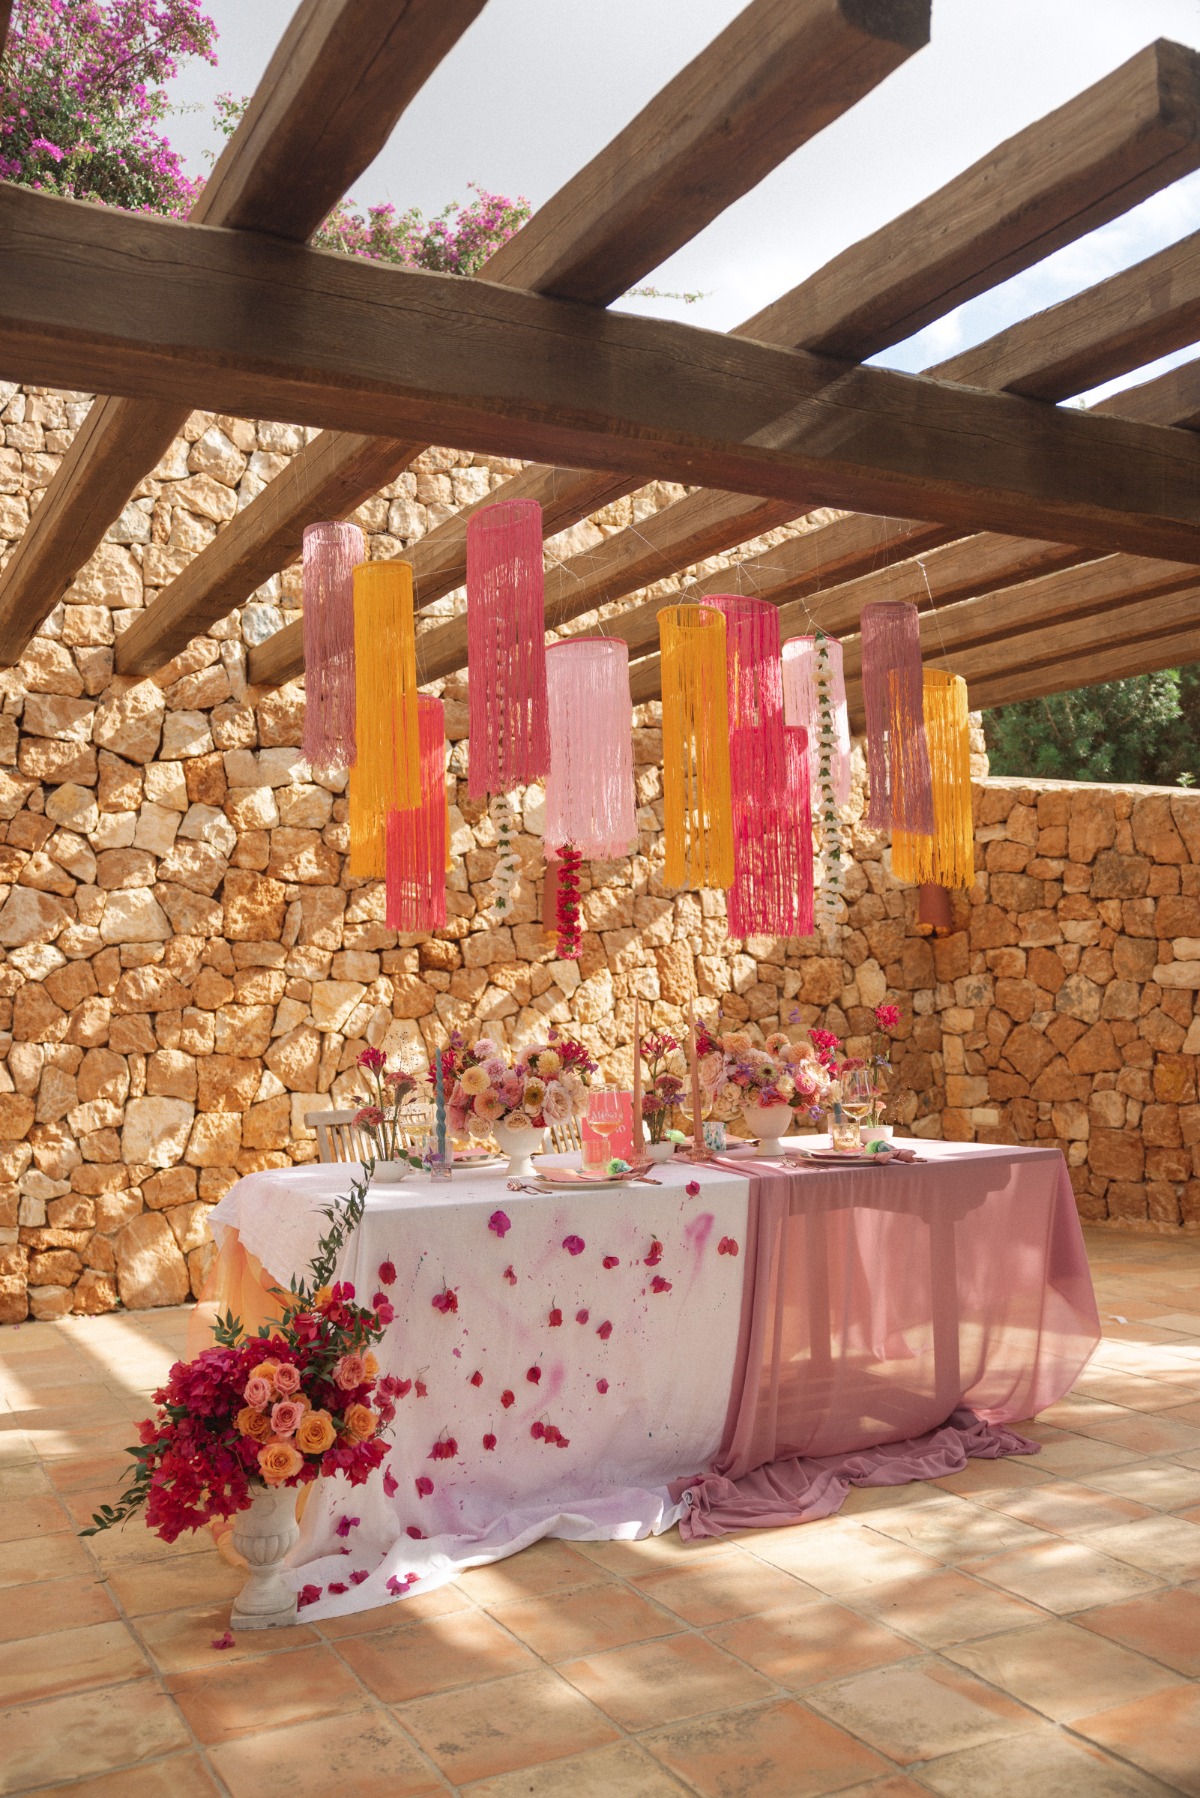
(858, 1093)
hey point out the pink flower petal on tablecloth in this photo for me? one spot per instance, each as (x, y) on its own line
(416, 1534)
(308, 1595)
(534, 1375)
(537, 1431)
(387, 1273)
(692, 1189)
(499, 1223)
(424, 1485)
(555, 1318)
(345, 1525)
(507, 1399)
(611, 1261)
(604, 1332)
(391, 1484)
(489, 1441)
(445, 1301)
(655, 1255)
(574, 1245)
(602, 1386)
(476, 1379)
(358, 1576)
(581, 1317)
(510, 1276)
(658, 1284)
(338, 1586)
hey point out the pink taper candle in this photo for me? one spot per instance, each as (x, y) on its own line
(638, 1133)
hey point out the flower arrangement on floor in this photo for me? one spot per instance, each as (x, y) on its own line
(665, 1089)
(390, 1090)
(299, 1400)
(546, 1083)
(735, 1073)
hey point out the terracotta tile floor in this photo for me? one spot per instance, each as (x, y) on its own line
(1026, 1629)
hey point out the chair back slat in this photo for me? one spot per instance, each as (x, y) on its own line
(565, 1137)
(338, 1136)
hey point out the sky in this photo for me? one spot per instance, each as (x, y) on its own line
(536, 87)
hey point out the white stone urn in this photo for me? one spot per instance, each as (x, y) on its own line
(659, 1151)
(768, 1123)
(518, 1142)
(262, 1535)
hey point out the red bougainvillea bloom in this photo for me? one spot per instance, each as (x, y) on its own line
(308, 1595)
(611, 1261)
(537, 1431)
(422, 1389)
(658, 1284)
(476, 1378)
(510, 1276)
(604, 1332)
(489, 1441)
(345, 1525)
(416, 1534)
(601, 1386)
(727, 1246)
(551, 1433)
(444, 1449)
(499, 1223)
(555, 1318)
(507, 1399)
(581, 1317)
(403, 1388)
(655, 1255)
(692, 1189)
(391, 1484)
(398, 1587)
(387, 1273)
(534, 1375)
(385, 1311)
(423, 1483)
(338, 1586)
(574, 1245)
(358, 1576)
(445, 1301)
(225, 1641)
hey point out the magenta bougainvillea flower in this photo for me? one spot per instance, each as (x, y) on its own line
(510, 1276)
(308, 1595)
(611, 1261)
(500, 1223)
(345, 1525)
(604, 1332)
(423, 1483)
(476, 1378)
(655, 1255)
(727, 1246)
(555, 1318)
(658, 1284)
(534, 1375)
(574, 1245)
(602, 1386)
(391, 1484)
(489, 1441)
(692, 1189)
(507, 1399)
(445, 1301)
(387, 1273)
(581, 1317)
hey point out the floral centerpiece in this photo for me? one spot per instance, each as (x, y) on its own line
(255, 1418)
(546, 1083)
(737, 1076)
(665, 1089)
(389, 1091)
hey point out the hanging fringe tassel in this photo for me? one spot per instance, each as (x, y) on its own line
(772, 838)
(416, 839)
(331, 552)
(901, 792)
(507, 871)
(506, 649)
(589, 789)
(946, 859)
(801, 706)
(697, 803)
(387, 769)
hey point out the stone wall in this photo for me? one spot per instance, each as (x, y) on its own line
(186, 968)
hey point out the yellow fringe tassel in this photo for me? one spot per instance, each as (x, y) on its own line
(698, 809)
(948, 857)
(387, 772)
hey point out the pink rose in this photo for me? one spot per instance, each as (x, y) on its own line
(349, 1372)
(287, 1379)
(257, 1392)
(285, 1417)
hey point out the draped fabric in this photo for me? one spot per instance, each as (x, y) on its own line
(697, 805)
(589, 789)
(506, 648)
(901, 792)
(331, 553)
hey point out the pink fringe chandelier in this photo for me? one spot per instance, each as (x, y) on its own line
(772, 886)
(330, 555)
(506, 648)
(898, 773)
(589, 789)
(416, 848)
(802, 706)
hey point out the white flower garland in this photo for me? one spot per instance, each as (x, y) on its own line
(508, 862)
(829, 824)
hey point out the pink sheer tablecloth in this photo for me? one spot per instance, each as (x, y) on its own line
(910, 1311)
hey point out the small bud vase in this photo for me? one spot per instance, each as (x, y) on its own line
(262, 1535)
(659, 1151)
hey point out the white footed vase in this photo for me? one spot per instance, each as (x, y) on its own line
(518, 1142)
(768, 1123)
(262, 1535)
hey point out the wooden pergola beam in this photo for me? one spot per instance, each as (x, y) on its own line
(241, 324)
(344, 72)
(773, 79)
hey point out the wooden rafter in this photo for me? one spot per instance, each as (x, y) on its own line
(342, 75)
(775, 77)
(237, 323)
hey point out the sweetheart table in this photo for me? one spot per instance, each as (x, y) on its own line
(591, 1364)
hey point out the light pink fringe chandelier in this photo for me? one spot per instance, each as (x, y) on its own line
(589, 789)
(506, 647)
(330, 555)
(898, 774)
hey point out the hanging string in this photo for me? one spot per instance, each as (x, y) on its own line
(897, 751)
(330, 554)
(589, 789)
(506, 648)
(416, 839)
(387, 771)
(697, 803)
(947, 858)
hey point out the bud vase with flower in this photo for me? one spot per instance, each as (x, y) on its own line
(887, 1021)
(389, 1090)
(662, 1095)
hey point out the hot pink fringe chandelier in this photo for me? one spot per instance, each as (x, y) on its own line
(898, 773)
(506, 648)
(330, 555)
(589, 789)
(802, 706)
(416, 846)
(772, 886)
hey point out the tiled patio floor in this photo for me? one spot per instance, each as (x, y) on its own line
(1027, 1628)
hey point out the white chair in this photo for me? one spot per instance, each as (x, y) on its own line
(339, 1138)
(565, 1137)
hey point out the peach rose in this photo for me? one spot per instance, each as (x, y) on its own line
(315, 1433)
(286, 1416)
(349, 1372)
(278, 1461)
(370, 1365)
(361, 1422)
(254, 1423)
(287, 1379)
(266, 1370)
(257, 1392)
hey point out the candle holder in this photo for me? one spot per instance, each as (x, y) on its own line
(441, 1166)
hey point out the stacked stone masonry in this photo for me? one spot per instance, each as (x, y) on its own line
(186, 967)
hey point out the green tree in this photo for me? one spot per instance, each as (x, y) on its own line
(1144, 730)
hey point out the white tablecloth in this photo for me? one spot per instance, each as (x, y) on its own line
(639, 1404)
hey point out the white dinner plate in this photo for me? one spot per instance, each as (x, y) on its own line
(580, 1182)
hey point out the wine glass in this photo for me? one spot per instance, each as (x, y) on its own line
(858, 1093)
(604, 1115)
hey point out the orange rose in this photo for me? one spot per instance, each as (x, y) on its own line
(315, 1433)
(278, 1461)
(370, 1365)
(266, 1370)
(361, 1422)
(254, 1423)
